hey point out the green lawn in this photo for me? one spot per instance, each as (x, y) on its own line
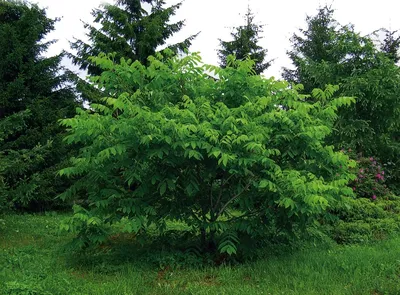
(32, 262)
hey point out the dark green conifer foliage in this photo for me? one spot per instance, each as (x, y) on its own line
(245, 44)
(391, 45)
(328, 53)
(34, 95)
(315, 44)
(132, 29)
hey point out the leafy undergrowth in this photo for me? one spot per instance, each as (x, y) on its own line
(32, 262)
(366, 220)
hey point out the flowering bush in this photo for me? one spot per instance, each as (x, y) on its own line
(375, 212)
(370, 181)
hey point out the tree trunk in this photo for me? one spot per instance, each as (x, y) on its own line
(203, 237)
(212, 245)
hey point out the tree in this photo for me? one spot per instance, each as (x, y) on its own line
(130, 31)
(314, 45)
(232, 158)
(34, 94)
(391, 45)
(328, 53)
(245, 44)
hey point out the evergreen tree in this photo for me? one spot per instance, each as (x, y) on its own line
(33, 97)
(328, 53)
(316, 44)
(130, 31)
(391, 45)
(245, 44)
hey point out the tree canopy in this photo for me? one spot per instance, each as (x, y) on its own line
(328, 53)
(171, 144)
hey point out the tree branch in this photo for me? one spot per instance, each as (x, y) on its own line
(220, 192)
(232, 199)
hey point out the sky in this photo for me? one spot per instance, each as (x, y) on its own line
(215, 19)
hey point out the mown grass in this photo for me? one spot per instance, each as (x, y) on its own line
(32, 262)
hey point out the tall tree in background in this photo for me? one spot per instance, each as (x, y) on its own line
(391, 45)
(328, 53)
(130, 31)
(33, 97)
(314, 45)
(245, 44)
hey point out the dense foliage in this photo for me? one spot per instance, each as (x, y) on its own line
(232, 157)
(328, 53)
(170, 153)
(245, 45)
(391, 44)
(370, 181)
(33, 97)
(311, 46)
(131, 30)
(366, 220)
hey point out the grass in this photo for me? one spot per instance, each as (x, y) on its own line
(32, 262)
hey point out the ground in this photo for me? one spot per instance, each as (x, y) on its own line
(33, 260)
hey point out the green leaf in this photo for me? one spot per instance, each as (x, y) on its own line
(163, 188)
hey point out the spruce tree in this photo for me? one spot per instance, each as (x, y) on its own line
(329, 53)
(245, 44)
(34, 95)
(391, 45)
(132, 29)
(314, 45)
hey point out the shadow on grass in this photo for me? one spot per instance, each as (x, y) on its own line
(175, 250)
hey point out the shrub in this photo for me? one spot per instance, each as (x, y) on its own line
(370, 180)
(364, 230)
(393, 175)
(363, 220)
(231, 156)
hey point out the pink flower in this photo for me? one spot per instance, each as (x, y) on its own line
(354, 188)
(383, 172)
(371, 159)
(373, 197)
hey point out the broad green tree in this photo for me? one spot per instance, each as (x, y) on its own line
(244, 44)
(34, 95)
(233, 158)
